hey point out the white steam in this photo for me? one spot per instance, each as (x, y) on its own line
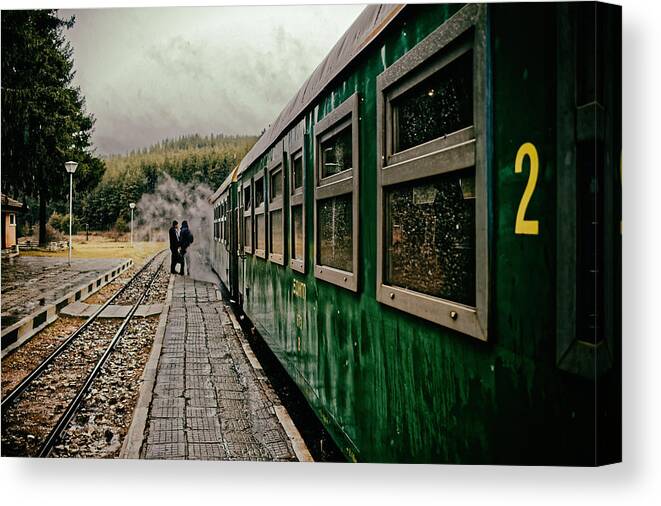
(173, 200)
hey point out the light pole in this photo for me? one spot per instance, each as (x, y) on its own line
(71, 168)
(132, 206)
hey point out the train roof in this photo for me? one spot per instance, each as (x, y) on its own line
(369, 24)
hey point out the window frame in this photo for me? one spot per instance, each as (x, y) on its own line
(248, 213)
(12, 219)
(276, 163)
(259, 211)
(465, 31)
(296, 149)
(342, 183)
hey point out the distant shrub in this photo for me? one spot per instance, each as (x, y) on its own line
(60, 222)
(53, 234)
(25, 230)
(121, 227)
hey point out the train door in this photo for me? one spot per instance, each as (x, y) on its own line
(241, 254)
(233, 215)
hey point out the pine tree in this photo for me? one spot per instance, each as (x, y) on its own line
(44, 122)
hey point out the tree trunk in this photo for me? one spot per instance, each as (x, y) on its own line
(42, 217)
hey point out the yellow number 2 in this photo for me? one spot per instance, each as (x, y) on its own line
(523, 226)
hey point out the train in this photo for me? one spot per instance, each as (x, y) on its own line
(428, 236)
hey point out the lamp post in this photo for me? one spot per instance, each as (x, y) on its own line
(71, 168)
(132, 206)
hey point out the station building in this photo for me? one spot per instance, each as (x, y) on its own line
(10, 208)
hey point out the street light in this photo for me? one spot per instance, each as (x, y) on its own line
(132, 206)
(71, 168)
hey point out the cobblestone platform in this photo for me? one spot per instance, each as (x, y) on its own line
(209, 402)
(26, 280)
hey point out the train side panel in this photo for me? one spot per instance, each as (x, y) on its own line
(392, 386)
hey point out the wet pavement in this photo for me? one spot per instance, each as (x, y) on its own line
(26, 280)
(210, 400)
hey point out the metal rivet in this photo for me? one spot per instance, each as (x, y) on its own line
(453, 315)
(392, 295)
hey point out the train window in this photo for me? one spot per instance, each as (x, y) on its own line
(438, 106)
(276, 224)
(275, 228)
(433, 221)
(215, 235)
(247, 204)
(226, 221)
(297, 171)
(432, 248)
(336, 196)
(297, 240)
(221, 222)
(275, 183)
(335, 232)
(217, 222)
(336, 153)
(259, 191)
(248, 233)
(296, 138)
(260, 237)
(239, 220)
(260, 216)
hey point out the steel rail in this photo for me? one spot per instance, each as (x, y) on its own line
(22, 386)
(66, 417)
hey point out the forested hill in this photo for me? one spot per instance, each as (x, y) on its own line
(192, 158)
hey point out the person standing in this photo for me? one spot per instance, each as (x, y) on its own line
(174, 248)
(185, 240)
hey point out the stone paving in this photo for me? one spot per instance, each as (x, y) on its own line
(26, 280)
(209, 402)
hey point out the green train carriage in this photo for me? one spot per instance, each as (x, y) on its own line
(428, 236)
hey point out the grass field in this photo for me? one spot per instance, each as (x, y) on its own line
(103, 247)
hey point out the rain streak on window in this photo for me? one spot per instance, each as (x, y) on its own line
(335, 232)
(431, 236)
(440, 105)
(297, 235)
(336, 153)
(276, 232)
(261, 232)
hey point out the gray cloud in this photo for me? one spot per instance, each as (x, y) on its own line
(154, 73)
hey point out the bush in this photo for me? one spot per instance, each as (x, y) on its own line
(60, 222)
(121, 226)
(53, 234)
(25, 230)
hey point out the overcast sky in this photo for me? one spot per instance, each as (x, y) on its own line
(152, 73)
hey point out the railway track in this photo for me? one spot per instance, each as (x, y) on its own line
(38, 410)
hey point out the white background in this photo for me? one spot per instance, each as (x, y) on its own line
(636, 481)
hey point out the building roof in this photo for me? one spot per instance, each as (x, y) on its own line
(10, 204)
(369, 24)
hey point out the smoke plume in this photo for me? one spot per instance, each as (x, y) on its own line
(173, 200)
